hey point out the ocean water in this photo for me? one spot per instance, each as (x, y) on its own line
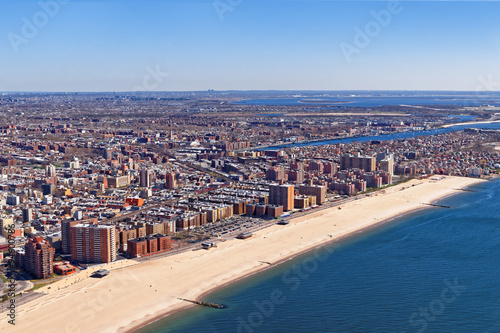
(435, 270)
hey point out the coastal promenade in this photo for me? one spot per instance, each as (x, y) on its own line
(132, 296)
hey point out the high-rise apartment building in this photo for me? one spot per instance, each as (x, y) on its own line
(117, 182)
(145, 178)
(66, 235)
(50, 170)
(356, 161)
(296, 175)
(93, 243)
(276, 173)
(318, 191)
(282, 195)
(387, 164)
(316, 166)
(48, 189)
(39, 257)
(170, 181)
(27, 214)
(297, 166)
(330, 169)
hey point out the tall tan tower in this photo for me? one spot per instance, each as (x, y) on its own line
(282, 195)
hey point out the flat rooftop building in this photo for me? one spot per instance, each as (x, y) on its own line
(93, 243)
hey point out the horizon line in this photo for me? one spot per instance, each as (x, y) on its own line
(242, 90)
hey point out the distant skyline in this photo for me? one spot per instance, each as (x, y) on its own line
(174, 45)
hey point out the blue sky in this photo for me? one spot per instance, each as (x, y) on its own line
(114, 45)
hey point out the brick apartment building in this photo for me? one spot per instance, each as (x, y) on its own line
(148, 245)
(282, 195)
(93, 243)
(39, 256)
(66, 235)
(318, 191)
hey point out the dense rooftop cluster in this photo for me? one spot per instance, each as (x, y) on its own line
(147, 174)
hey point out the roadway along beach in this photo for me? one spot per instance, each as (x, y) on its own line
(132, 296)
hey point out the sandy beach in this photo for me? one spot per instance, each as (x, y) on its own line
(134, 295)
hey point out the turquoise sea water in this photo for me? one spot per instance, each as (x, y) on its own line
(435, 270)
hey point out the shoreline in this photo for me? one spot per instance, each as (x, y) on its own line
(229, 266)
(291, 257)
(304, 252)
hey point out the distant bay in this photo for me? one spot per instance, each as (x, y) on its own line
(392, 136)
(377, 101)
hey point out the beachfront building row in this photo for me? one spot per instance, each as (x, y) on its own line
(356, 161)
(262, 210)
(304, 201)
(319, 192)
(148, 245)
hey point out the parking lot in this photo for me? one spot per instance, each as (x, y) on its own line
(233, 226)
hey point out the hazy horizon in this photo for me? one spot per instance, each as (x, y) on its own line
(248, 90)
